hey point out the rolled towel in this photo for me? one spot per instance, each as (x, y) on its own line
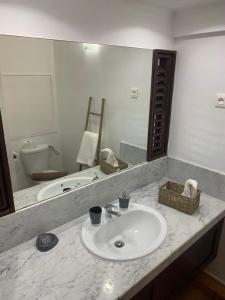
(190, 188)
(108, 155)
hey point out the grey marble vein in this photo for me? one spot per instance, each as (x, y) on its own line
(70, 272)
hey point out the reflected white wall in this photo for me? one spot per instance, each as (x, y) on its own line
(103, 72)
(27, 83)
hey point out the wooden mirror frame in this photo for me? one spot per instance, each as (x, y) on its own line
(6, 193)
(163, 71)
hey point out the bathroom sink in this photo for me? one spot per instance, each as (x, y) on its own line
(62, 186)
(136, 233)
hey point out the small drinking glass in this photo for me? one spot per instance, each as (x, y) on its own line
(95, 215)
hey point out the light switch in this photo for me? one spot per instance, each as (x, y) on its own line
(220, 100)
(134, 93)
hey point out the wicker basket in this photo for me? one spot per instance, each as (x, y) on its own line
(170, 195)
(109, 169)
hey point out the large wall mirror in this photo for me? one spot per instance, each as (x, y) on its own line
(72, 113)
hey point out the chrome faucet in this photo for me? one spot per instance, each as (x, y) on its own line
(96, 177)
(52, 148)
(112, 210)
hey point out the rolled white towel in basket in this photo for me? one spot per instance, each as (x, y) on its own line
(190, 188)
(108, 155)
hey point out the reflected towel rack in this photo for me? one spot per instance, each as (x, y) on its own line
(101, 116)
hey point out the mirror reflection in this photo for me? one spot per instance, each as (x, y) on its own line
(73, 113)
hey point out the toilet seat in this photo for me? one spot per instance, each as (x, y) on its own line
(47, 175)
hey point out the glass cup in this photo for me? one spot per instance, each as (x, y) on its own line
(95, 215)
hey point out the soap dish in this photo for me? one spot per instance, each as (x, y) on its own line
(46, 242)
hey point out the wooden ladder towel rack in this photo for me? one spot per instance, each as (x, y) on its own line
(101, 116)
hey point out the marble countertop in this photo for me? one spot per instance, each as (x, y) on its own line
(70, 272)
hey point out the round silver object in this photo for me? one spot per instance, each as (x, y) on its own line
(119, 244)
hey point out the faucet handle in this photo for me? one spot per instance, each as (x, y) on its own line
(111, 210)
(52, 148)
(96, 177)
(110, 207)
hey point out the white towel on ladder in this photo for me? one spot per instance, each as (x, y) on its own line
(88, 147)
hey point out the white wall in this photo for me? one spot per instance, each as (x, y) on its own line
(107, 72)
(197, 127)
(201, 20)
(114, 22)
(27, 96)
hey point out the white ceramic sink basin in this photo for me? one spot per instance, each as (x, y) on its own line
(141, 229)
(61, 186)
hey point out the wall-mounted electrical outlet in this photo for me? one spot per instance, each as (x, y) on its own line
(134, 93)
(220, 100)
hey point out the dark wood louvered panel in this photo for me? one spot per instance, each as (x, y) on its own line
(158, 132)
(161, 100)
(6, 195)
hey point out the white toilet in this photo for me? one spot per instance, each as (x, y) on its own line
(36, 163)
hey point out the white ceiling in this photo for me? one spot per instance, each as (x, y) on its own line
(179, 4)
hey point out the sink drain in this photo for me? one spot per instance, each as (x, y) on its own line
(119, 244)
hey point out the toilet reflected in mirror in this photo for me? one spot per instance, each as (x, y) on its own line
(35, 160)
